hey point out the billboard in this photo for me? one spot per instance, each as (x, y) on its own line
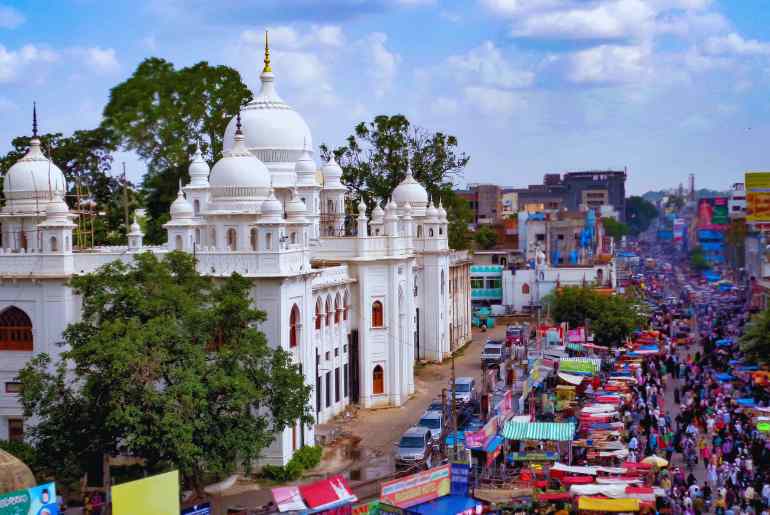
(417, 488)
(757, 196)
(712, 213)
(680, 229)
(38, 500)
(155, 495)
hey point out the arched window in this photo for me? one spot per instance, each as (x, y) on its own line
(330, 206)
(329, 311)
(232, 239)
(196, 207)
(15, 330)
(600, 276)
(23, 240)
(67, 243)
(268, 241)
(346, 304)
(440, 231)
(525, 289)
(318, 314)
(430, 232)
(213, 242)
(293, 237)
(179, 242)
(419, 231)
(443, 282)
(197, 236)
(254, 239)
(377, 318)
(294, 327)
(55, 245)
(337, 309)
(378, 380)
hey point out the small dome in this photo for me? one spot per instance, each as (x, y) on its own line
(431, 212)
(295, 208)
(442, 212)
(57, 209)
(305, 168)
(332, 174)
(377, 213)
(34, 176)
(135, 229)
(272, 209)
(239, 175)
(362, 207)
(180, 208)
(409, 190)
(14, 474)
(199, 169)
(407, 211)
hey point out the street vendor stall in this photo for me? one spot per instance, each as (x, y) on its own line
(598, 504)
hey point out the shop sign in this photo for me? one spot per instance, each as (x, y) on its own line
(535, 456)
(417, 488)
(460, 475)
(38, 500)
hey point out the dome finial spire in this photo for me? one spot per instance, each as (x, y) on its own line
(267, 68)
(34, 119)
(238, 130)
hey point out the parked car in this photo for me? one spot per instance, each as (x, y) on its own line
(492, 354)
(415, 448)
(465, 390)
(433, 420)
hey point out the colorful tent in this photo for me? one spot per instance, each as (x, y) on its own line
(607, 505)
(555, 431)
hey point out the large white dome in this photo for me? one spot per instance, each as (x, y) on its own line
(239, 175)
(275, 132)
(411, 191)
(32, 179)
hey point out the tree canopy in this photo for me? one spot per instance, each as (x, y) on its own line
(698, 260)
(485, 237)
(614, 228)
(375, 158)
(171, 367)
(611, 318)
(755, 342)
(161, 113)
(639, 214)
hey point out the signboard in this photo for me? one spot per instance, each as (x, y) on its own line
(680, 229)
(476, 439)
(712, 213)
(535, 456)
(757, 196)
(460, 475)
(417, 488)
(198, 509)
(581, 367)
(154, 495)
(288, 498)
(370, 508)
(38, 500)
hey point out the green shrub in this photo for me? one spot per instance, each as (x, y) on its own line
(304, 459)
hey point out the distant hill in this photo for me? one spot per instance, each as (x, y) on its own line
(654, 196)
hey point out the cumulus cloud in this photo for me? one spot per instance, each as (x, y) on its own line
(382, 63)
(413, 3)
(493, 102)
(100, 60)
(14, 64)
(444, 106)
(610, 64)
(487, 65)
(10, 18)
(735, 44)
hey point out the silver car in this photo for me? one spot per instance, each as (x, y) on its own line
(433, 420)
(414, 448)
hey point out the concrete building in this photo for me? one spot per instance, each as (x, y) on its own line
(485, 201)
(354, 308)
(594, 189)
(736, 202)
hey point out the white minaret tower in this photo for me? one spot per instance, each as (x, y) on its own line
(332, 200)
(135, 237)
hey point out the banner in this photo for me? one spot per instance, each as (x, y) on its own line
(460, 477)
(757, 196)
(38, 500)
(712, 213)
(155, 495)
(417, 488)
(370, 508)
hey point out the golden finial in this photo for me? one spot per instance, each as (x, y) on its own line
(267, 68)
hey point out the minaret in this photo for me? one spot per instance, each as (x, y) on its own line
(135, 236)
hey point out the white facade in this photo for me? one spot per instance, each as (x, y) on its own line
(349, 308)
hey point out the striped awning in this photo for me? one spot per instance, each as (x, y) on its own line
(580, 365)
(554, 431)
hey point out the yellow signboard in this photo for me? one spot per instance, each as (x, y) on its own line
(757, 196)
(155, 495)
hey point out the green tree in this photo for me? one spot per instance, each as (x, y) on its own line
(614, 228)
(755, 342)
(616, 320)
(736, 242)
(375, 158)
(161, 113)
(573, 305)
(170, 367)
(639, 214)
(485, 237)
(698, 260)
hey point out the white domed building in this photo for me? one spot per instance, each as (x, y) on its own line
(356, 301)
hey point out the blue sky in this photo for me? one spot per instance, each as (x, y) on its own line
(664, 87)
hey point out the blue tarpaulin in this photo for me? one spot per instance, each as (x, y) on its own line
(493, 443)
(725, 342)
(747, 402)
(447, 505)
(747, 368)
(724, 377)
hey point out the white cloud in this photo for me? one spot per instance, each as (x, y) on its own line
(487, 65)
(444, 106)
(288, 37)
(14, 64)
(330, 35)
(381, 61)
(492, 102)
(10, 18)
(735, 44)
(610, 64)
(100, 60)
(149, 43)
(413, 3)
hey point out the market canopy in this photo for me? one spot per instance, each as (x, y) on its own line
(571, 378)
(580, 365)
(607, 505)
(554, 431)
